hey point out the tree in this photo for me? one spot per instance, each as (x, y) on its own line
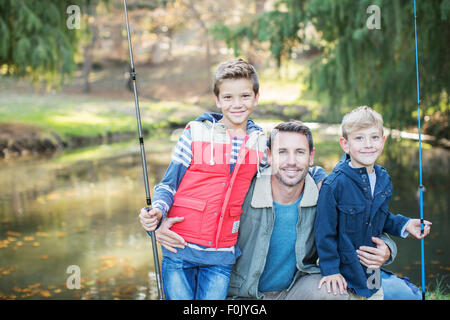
(35, 39)
(358, 65)
(377, 66)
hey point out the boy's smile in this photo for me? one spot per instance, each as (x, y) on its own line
(237, 101)
(364, 147)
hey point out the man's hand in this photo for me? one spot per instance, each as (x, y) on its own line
(149, 218)
(335, 282)
(374, 257)
(413, 227)
(167, 238)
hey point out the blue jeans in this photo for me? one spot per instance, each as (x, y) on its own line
(183, 280)
(396, 288)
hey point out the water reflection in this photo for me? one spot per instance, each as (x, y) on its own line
(80, 208)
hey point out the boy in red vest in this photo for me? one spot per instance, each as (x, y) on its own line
(206, 182)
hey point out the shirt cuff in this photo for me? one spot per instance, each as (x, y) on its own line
(404, 233)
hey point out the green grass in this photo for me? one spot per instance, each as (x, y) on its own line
(440, 290)
(86, 116)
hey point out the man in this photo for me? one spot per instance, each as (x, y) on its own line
(279, 258)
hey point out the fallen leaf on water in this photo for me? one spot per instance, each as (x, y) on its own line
(45, 293)
(36, 244)
(29, 238)
(44, 257)
(13, 233)
(434, 262)
(57, 290)
(34, 286)
(61, 234)
(43, 234)
(17, 289)
(19, 243)
(6, 271)
(11, 239)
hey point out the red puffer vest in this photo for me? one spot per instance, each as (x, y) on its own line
(209, 197)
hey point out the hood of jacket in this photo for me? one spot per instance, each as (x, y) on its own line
(216, 117)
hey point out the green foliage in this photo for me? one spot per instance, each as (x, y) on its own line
(278, 27)
(36, 41)
(359, 66)
(377, 67)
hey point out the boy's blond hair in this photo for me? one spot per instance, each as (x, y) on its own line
(361, 118)
(235, 69)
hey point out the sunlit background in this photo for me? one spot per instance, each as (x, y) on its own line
(71, 180)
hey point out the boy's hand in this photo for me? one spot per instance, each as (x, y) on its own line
(413, 227)
(334, 281)
(149, 218)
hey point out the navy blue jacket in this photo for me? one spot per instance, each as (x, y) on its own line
(348, 217)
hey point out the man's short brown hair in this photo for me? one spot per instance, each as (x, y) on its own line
(292, 126)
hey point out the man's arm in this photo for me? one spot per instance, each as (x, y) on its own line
(375, 257)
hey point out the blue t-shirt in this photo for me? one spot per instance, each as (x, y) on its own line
(281, 261)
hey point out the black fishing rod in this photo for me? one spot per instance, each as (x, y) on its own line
(144, 162)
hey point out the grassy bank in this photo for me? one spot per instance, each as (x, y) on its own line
(78, 116)
(70, 118)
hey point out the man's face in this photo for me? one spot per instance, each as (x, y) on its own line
(290, 158)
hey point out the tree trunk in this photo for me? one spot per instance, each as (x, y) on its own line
(88, 55)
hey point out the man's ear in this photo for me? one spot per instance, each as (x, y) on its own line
(344, 144)
(269, 157)
(311, 157)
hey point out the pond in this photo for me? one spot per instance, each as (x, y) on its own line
(80, 208)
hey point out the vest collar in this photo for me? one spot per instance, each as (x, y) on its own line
(262, 194)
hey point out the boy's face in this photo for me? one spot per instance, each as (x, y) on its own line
(364, 146)
(237, 101)
(290, 158)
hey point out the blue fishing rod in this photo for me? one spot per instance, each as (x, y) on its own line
(144, 162)
(421, 187)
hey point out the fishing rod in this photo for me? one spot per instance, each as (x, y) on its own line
(421, 187)
(144, 161)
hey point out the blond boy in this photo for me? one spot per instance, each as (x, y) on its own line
(352, 209)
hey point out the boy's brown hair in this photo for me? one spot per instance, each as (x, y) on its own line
(235, 69)
(361, 118)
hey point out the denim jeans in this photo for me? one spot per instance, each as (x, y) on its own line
(183, 280)
(396, 288)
